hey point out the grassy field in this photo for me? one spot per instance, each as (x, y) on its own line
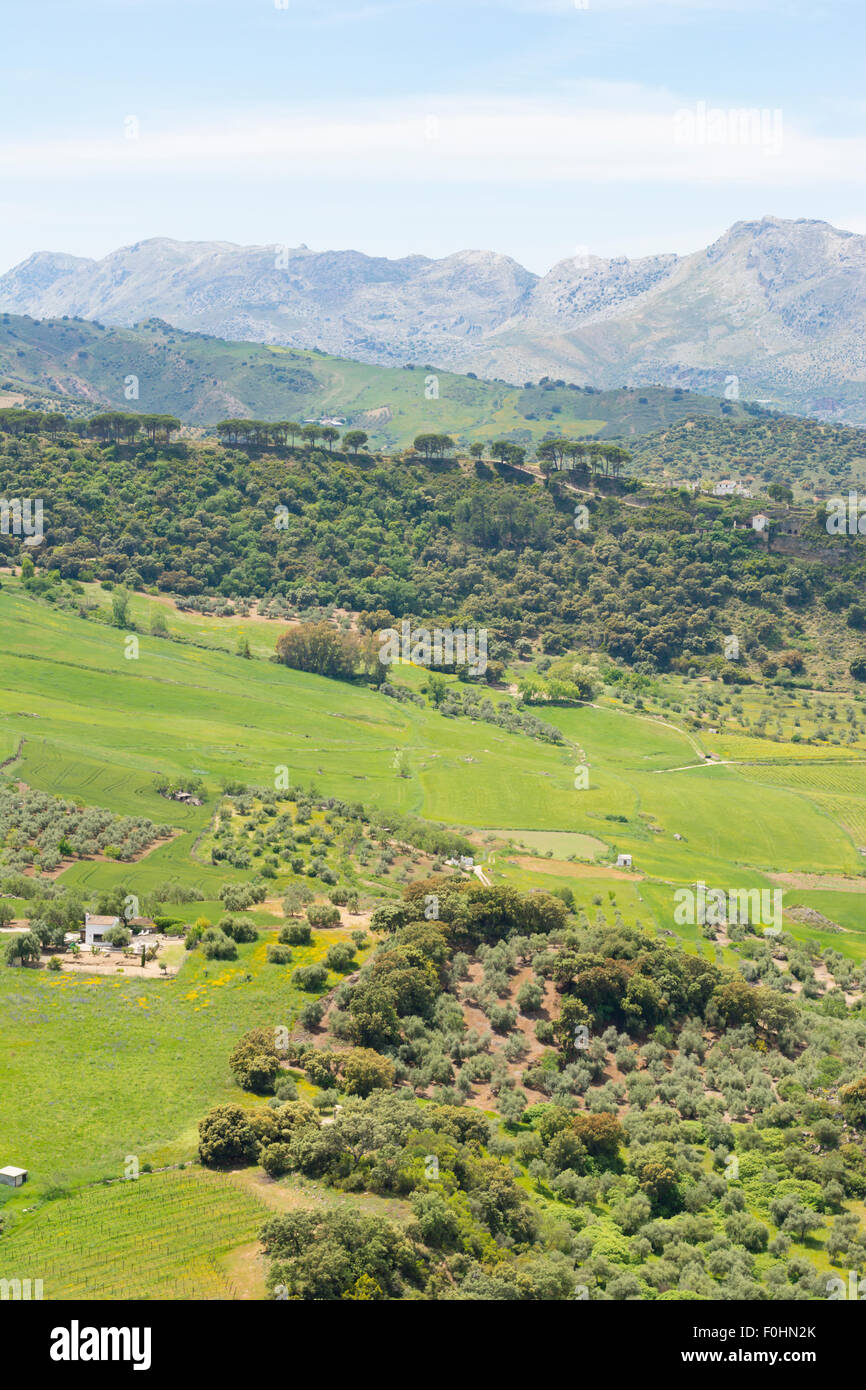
(99, 726)
(141, 1059)
(114, 1067)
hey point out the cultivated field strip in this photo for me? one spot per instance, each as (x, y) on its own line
(832, 777)
(156, 1237)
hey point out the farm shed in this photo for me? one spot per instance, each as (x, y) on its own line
(13, 1177)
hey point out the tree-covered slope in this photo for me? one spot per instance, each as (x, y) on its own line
(662, 580)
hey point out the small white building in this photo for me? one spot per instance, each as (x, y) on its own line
(760, 522)
(623, 861)
(96, 927)
(13, 1177)
(729, 487)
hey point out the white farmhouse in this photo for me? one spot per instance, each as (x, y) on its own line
(96, 927)
(760, 522)
(623, 861)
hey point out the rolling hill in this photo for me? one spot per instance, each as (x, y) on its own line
(84, 366)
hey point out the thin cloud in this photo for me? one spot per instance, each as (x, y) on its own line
(599, 135)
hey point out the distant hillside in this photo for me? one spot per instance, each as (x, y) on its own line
(778, 304)
(812, 458)
(674, 434)
(203, 380)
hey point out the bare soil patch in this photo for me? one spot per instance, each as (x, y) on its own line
(837, 883)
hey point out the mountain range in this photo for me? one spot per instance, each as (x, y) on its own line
(774, 310)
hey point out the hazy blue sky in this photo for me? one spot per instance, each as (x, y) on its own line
(531, 127)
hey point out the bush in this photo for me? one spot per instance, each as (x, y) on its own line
(340, 958)
(215, 945)
(255, 1061)
(852, 1098)
(323, 915)
(279, 955)
(239, 928)
(276, 1159)
(310, 977)
(311, 1014)
(226, 1137)
(118, 936)
(296, 934)
(364, 1070)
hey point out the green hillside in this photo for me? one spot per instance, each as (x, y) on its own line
(202, 380)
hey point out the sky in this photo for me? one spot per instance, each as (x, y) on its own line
(540, 129)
